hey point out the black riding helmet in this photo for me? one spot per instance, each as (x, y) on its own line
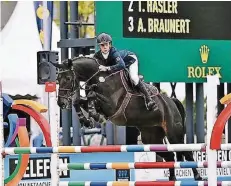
(104, 38)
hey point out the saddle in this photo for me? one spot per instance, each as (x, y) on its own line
(129, 85)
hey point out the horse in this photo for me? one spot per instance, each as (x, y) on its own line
(122, 104)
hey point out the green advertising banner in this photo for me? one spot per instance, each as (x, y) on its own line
(174, 41)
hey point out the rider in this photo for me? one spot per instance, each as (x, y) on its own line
(117, 60)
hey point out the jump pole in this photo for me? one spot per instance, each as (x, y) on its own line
(50, 88)
(1, 138)
(212, 82)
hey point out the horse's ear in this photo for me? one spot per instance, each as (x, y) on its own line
(69, 63)
(57, 65)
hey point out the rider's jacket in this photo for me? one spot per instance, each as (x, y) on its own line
(117, 59)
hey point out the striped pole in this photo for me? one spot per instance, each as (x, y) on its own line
(143, 183)
(112, 148)
(140, 165)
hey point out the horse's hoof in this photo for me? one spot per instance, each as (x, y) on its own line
(203, 179)
(172, 178)
(198, 178)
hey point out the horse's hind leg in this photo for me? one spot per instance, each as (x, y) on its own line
(155, 135)
(179, 139)
(169, 157)
(189, 157)
(179, 156)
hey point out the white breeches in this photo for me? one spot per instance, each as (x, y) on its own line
(133, 71)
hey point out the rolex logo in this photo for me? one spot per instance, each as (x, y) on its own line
(204, 52)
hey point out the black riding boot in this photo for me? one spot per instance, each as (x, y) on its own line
(150, 102)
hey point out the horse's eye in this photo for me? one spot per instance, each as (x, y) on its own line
(68, 78)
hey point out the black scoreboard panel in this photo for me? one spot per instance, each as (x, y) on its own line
(177, 19)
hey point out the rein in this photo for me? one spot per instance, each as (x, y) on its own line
(75, 88)
(81, 87)
(72, 89)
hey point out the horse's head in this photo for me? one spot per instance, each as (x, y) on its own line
(71, 72)
(67, 83)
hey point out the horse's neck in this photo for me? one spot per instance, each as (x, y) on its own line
(85, 68)
(113, 90)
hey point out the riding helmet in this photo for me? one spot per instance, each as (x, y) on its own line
(104, 38)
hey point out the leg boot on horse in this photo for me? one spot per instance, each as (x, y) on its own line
(150, 102)
(155, 135)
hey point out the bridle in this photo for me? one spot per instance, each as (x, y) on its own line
(71, 91)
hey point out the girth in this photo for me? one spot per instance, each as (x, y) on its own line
(120, 116)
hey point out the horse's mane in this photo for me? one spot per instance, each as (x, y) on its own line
(86, 66)
(82, 58)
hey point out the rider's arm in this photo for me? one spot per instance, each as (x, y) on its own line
(119, 62)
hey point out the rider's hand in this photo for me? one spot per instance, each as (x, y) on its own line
(103, 68)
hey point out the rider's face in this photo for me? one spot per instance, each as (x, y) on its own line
(104, 47)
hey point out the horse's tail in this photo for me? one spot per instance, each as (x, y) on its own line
(181, 109)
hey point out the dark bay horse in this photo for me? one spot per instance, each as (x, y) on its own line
(125, 106)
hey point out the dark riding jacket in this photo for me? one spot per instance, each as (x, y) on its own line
(117, 59)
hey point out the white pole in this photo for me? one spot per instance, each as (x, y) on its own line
(52, 114)
(212, 82)
(54, 125)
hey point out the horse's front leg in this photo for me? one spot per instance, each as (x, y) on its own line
(78, 104)
(92, 110)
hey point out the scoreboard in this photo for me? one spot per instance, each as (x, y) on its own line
(175, 41)
(177, 20)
